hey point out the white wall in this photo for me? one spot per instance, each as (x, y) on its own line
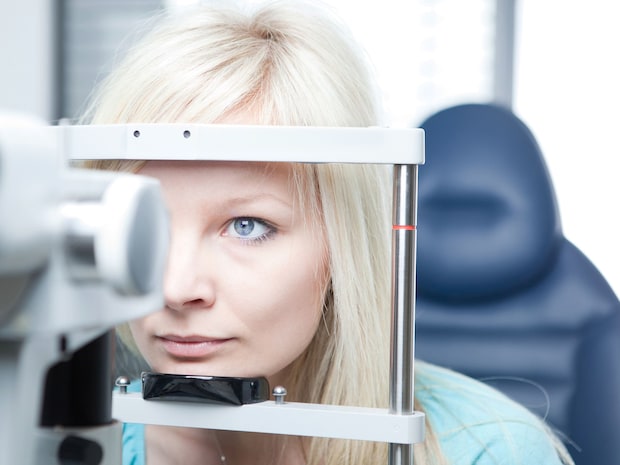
(26, 58)
(567, 91)
(428, 55)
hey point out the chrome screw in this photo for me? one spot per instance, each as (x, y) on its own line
(279, 392)
(122, 382)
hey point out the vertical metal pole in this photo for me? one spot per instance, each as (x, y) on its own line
(404, 217)
(504, 56)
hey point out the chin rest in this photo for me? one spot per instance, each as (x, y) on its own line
(503, 296)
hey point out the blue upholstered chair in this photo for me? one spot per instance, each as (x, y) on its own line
(503, 296)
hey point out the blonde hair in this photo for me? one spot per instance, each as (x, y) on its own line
(288, 63)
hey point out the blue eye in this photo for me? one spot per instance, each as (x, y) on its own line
(251, 229)
(244, 227)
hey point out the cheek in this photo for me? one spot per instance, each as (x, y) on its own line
(281, 307)
(281, 339)
(293, 302)
(140, 337)
(285, 307)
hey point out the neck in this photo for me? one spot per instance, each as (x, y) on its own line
(166, 445)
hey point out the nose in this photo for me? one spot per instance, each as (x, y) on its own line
(187, 283)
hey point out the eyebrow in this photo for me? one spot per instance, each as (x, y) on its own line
(249, 199)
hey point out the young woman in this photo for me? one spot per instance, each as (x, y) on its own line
(283, 270)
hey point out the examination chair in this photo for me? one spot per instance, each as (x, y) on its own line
(502, 295)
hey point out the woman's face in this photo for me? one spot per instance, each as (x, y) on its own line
(245, 274)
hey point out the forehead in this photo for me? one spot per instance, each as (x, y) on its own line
(196, 181)
(221, 184)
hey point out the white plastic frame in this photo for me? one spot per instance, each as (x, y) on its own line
(294, 418)
(303, 144)
(399, 425)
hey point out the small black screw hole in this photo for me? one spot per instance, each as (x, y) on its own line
(187, 134)
(136, 133)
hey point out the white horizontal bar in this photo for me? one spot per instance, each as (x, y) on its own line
(299, 419)
(305, 144)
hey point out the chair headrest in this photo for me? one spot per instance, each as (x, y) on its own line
(488, 220)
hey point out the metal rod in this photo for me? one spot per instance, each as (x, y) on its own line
(404, 217)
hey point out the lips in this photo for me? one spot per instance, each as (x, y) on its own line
(191, 346)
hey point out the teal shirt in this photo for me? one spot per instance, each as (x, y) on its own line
(133, 437)
(478, 425)
(475, 424)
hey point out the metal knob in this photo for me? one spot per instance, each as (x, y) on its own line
(279, 392)
(122, 382)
